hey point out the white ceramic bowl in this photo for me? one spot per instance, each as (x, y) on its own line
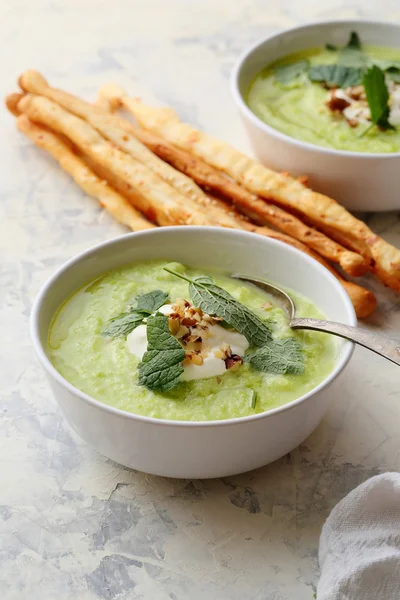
(361, 182)
(194, 449)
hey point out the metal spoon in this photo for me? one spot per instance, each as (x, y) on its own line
(380, 344)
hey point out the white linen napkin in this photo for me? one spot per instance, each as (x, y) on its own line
(359, 551)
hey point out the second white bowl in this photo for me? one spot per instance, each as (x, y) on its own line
(360, 181)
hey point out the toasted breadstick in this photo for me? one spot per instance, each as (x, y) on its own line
(251, 205)
(283, 190)
(109, 199)
(119, 132)
(158, 200)
(363, 300)
(219, 210)
(50, 114)
(122, 133)
(116, 130)
(12, 103)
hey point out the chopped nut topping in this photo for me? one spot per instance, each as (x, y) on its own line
(194, 358)
(336, 104)
(174, 324)
(188, 321)
(233, 362)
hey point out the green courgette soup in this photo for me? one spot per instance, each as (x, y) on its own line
(185, 344)
(342, 98)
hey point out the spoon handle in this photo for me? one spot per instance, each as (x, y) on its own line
(384, 346)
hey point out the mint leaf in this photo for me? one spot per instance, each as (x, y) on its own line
(394, 73)
(353, 44)
(150, 302)
(145, 305)
(377, 96)
(123, 324)
(278, 356)
(161, 365)
(214, 300)
(336, 75)
(286, 73)
(351, 55)
(354, 41)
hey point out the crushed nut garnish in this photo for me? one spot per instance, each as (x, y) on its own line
(233, 362)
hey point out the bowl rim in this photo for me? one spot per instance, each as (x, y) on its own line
(52, 371)
(240, 65)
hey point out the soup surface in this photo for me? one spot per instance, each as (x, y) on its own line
(302, 108)
(106, 369)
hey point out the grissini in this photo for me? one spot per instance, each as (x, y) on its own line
(48, 113)
(136, 143)
(251, 205)
(219, 210)
(158, 200)
(115, 204)
(119, 133)
(114, 129)
(363, 300)
(325, 213)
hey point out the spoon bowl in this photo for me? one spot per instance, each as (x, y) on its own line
(382, 345)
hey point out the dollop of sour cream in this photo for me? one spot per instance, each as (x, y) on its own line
(214, 340)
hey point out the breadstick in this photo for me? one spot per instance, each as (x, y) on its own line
(12, 103)
(363, 300)
(116, 130)
(282, 189)
(251, 205)
(121, 132)
(217, 209)
(109, 199)
(158, 200)
(50, 114)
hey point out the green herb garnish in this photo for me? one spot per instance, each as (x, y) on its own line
(123, 325)
(351, 55)
(145, 305)
(393, 73)
(278, 356)
(149, 303)
(254, 399)
(286, 73)
(354, 41)
(377, 96)
(214, 300)
(349, 69)
(161, 365)
(336, 75)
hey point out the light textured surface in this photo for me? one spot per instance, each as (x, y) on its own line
(72, 524)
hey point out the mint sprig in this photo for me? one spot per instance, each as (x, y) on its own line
(352, 55)
(377, 97)
(144, 305)
(336, 75)
(216, 301)
(286, 73)
(161, 366)
(123, 324)
(278, 356)
(150, 302)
